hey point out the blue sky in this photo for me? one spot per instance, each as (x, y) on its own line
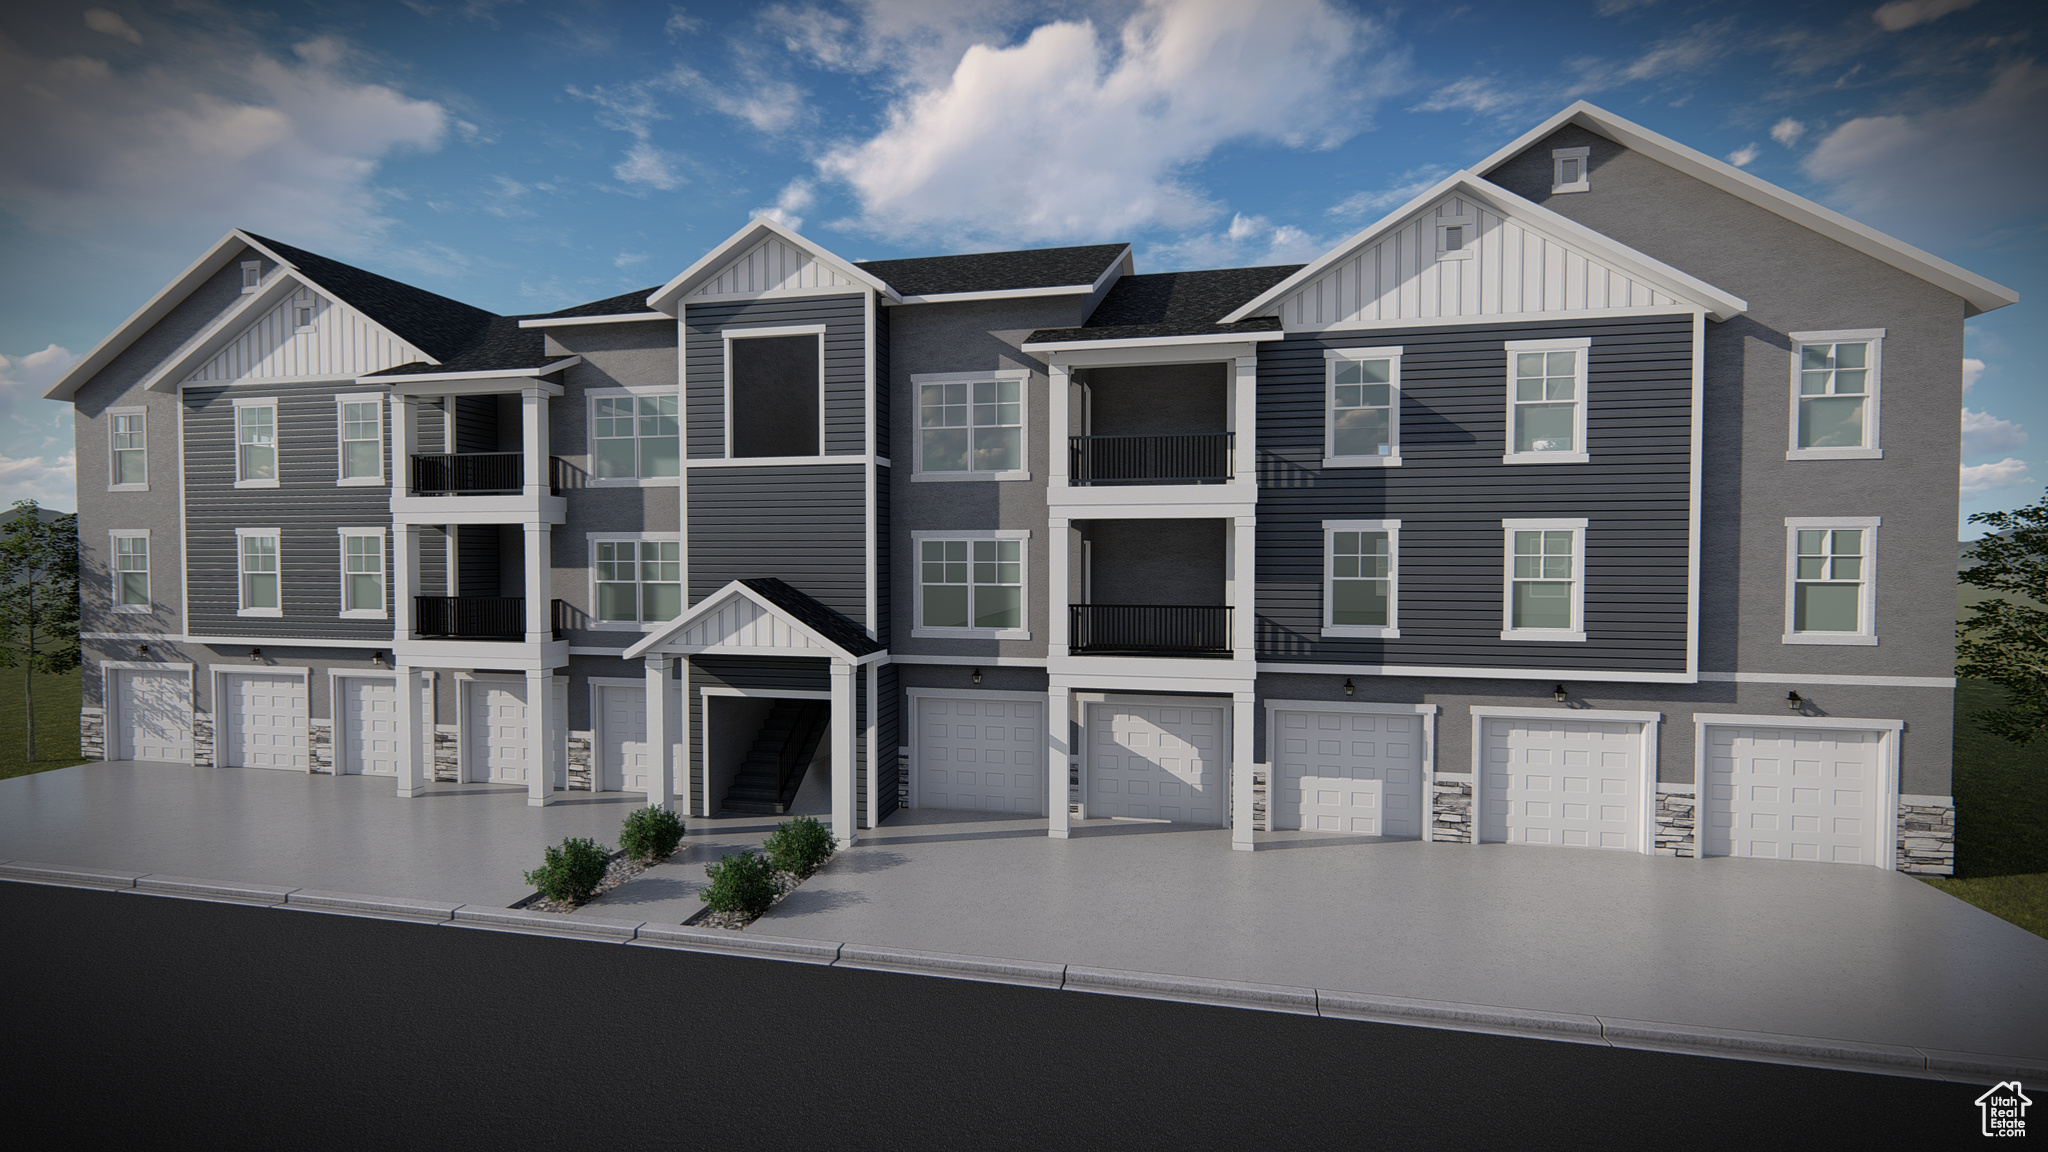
(527, 156)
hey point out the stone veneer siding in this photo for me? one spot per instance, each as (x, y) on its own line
(92, 733)
(320, 746)
(202, 740)
(582, 762)
(447, 753)
(1451, 811)
(1262, 812)
(1926, 835)
(1677, 832)
(902, 779)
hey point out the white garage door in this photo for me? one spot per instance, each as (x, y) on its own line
(369, 727)
(982, 754)
(152, 716)
(1157, 762)
(263, 721)
(1793, 794)
(1349, 772)
(622, 727)
(497, 731)
(1570, 782)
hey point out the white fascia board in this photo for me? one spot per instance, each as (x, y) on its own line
(155, 309)
(668, 298)
(484, 374)
(619, 318)
(1979, 293)
(1156, 341)
(656, 639)
(224, 330)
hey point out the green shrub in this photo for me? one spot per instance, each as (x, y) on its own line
(650, 834)
(742, 882)
(572, 872)
(800, 846)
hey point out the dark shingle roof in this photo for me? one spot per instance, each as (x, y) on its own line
(827, 622)
(624, 304)
(1175, 304)
(436, 325)
(996, 271)
(501, 346)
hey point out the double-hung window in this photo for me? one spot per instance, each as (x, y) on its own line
(1362, 407)
(257, 564)
(638, 581)
(1544, 590)
(1361, 578)
(129, 450)
(362, 439)
(1547, 401)
(970, 425)
(256, 443)
(636, 437)
(1834, 395)
(1830, 579)
(362, 573)
(971, 584)
(131, 570)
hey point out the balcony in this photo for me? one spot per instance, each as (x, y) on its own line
(479, 474)
(1195, 458)
(480, 617)
(1149, 630)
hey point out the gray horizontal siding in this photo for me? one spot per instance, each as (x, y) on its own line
(803, 523)
(306, 508)
(883, 392)
(845, 365)
(1452, 491)
(753, 673)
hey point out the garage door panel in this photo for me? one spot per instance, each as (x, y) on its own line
(1574, 784)
(264, 721)
(1156, 762)
(1792, 794)
(498, 732)
(369, 727)
(1348, 772)
(153, 714)
(622, 720)
(981, 754)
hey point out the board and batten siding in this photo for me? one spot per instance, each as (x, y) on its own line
(845, 365)
(801, 523)
(343, 342)
(1452, 491)
(306, 507)
(774, 265)
(1515, 269)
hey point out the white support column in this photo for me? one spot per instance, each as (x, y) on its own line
(405, 423)
(1058, 425)
(1241, 586)
(1244, 420)
(844, 816)
(533, 426)
(405, 577)
(1058, 570)
(871, 730)
(538, 603)
(1241, 708)
(658, 735)
(540, 713)
(1058, 736)
(410, 770)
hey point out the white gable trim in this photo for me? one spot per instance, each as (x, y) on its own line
(668, 298)
(1979, 293)
(736, 620)
(224, 251)
(224, 330)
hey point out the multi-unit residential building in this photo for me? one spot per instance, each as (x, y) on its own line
(1601, 497)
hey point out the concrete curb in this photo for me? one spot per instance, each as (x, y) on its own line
(594, 928)
(1771, 1047)
(189, 888)
(1460, 1017)
(1972, 1068)
(1030, 973)
(68, 877)
(1192, 989)
(728, 943)
(375, 907)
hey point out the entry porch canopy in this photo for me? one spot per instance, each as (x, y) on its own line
(758, 617)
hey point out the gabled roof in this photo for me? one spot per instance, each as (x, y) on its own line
(1040, 271)
(1978, 293)
(499, 345)
(1164, 304)
(624, 306)
(438, 326)
(669, 296)
(761, 615)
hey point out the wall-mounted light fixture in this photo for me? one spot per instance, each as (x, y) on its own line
(1349, 687)
(1794, 701)
(255, 653)
(142, 650)
(1559, 692)
(976, 677)
(377, 659)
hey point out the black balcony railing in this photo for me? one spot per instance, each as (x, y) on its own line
(1148, 630)
(468, 474)
(470, 617)
(1202, 458)
(558, 618)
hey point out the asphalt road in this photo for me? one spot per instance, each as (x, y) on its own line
(138, 1021)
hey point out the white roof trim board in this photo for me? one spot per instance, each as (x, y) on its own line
(739, 246)
(145, 317)
(614, 318)
(737, 619)
(1980, 294)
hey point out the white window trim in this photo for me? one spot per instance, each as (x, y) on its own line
(1023, 377)
(1577, 632)
(728, 335)
(1391, 630)
(592, 540)
(341, 400)
(241, 576)
(1467, 239)
(114, 569)
(276, 440)
(1557, 158)
(590, 398)
(1870, 450)
(1330, 457)
(250, 285)
(113, 415)
(384, 562)
(1866, 615)
(917, 540)
(304, 298)
(1583, 345)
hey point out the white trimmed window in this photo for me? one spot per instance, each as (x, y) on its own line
(128, 450)
(257, 569)
(1830, 580)
(252, 276)
(362, 439)
(1568, 170)
(1361, 573)
(636, 580)
(1362, 408)
(362, 573)
(634, 438)
(970, 425)
(775, 392)
(1457, 237)
(256, 443)
(1544, 590)
(304, 311)
(971, 584)
(1547, 401)
(131, 570)
(1834, 395)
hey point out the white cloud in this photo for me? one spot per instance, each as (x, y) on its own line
(1902, 14)
(1695, 50)
(1247, 241)
(915, 43)
(1972, 370)
(110, 24)
(647, 166)
(36, 457)
(1473, 94)
(1407, 186)
(1111, 129)
(1787, 131)
(1618, 7)
(767, 103)
(1990, 477)
(51, 481)
(796, 196)
(681, 23)
(1984, 433)
(626, 260)
(1742, 156)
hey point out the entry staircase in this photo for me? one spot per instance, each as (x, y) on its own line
(774, 768)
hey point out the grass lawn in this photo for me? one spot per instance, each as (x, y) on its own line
(56, 723)
(2001, 818)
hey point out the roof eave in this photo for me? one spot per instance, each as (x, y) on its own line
(613, 318)
(156, 308)
(653, 640)
(667, 298)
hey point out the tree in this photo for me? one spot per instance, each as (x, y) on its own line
(2005, 640)
(38, 599)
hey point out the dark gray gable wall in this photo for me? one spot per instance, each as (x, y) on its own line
(803, 523)
(845, 365)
